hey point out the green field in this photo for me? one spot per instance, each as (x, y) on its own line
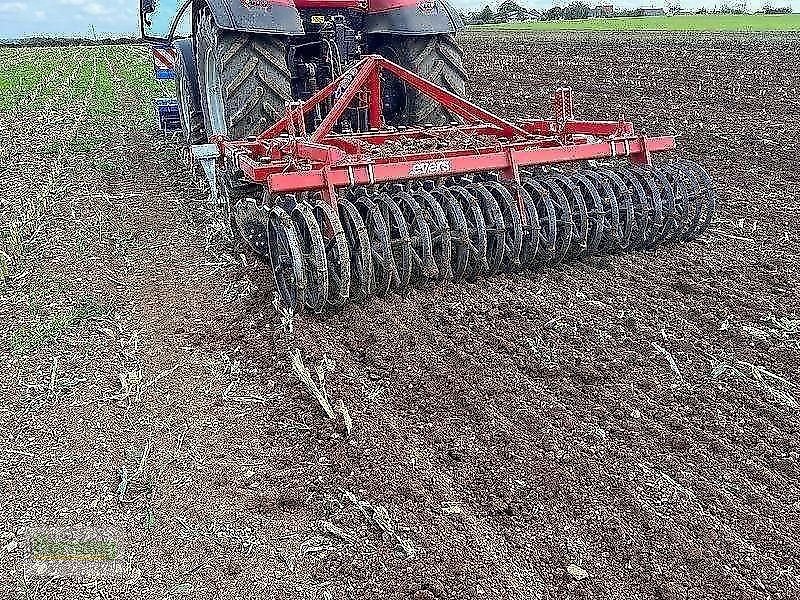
(676, 23)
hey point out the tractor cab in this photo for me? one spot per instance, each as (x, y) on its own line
(163, 20)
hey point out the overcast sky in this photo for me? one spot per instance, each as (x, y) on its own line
(19, 18)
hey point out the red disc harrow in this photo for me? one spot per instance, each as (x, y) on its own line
(352, 208)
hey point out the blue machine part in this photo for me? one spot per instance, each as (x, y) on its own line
(164, 61)
(167, 113)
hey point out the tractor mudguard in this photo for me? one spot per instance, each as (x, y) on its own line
(186, 48)
(412, 17)
(257, 16)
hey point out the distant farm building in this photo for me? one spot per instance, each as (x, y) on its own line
(603, 10)
(650, 12)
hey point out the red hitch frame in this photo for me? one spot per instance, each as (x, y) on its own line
(286, 158)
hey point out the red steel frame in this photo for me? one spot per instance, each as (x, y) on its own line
(285, 158)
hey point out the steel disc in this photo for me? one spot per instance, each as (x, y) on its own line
(595, 212)
(578, 212)
(547, 226)
(655, 215)
(286, 259)
(441, 240)
(399, 239)
(707, 194)
(337, 252)
(669, 212)
(611, 230)
(685, 199)
(459, 236)
(531, 231)
(495, 226)
(383, 268)
(423, 264)
(563, 219)
(509, 210)
(362, 279)
(627, 214)
(315, 262)
(251, 222)
(641, 205)
(476, 232)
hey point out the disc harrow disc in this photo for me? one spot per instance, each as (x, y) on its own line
(706, 200)
(640, 205)
(495, 226)
(383, 268)
(578, 213)
(654, 232)
(627, 213)
(337, 253)
(441, 240)
(669, 209)
(399, 239)
(459, 235)
(286, 259)
(251, 222)
(611, 226)
(509, 210)
(547, 226)
(476, 232)
(595, 212)
(422, 263)
(686, 198)
(531, 230)
(362, 279)
(563, 219)
(315, 263)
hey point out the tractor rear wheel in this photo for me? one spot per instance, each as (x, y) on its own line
(245, 82)
(437, 58)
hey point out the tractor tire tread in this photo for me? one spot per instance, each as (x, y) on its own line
(437, 58)
(253, 76)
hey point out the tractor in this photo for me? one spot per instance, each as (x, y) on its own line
(241, 61)
(339, 146)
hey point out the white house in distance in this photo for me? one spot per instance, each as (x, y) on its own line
(602, 11)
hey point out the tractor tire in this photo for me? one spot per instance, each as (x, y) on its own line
(190, 112)
(245, 82)
(437, 58)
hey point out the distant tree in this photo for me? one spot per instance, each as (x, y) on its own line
(673, 6)
(555, 13)
(486, 15)
(702, 10)
(732, 9)
(577, 10)
(768, 9)
(510, 10)
(739, 8)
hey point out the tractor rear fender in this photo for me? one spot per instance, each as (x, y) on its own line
(186, 48)
(257, 16)
(412, 17)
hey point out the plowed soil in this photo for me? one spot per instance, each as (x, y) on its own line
(622, 427)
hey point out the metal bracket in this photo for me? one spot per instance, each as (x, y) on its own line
(208, 154)
(563, 108)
